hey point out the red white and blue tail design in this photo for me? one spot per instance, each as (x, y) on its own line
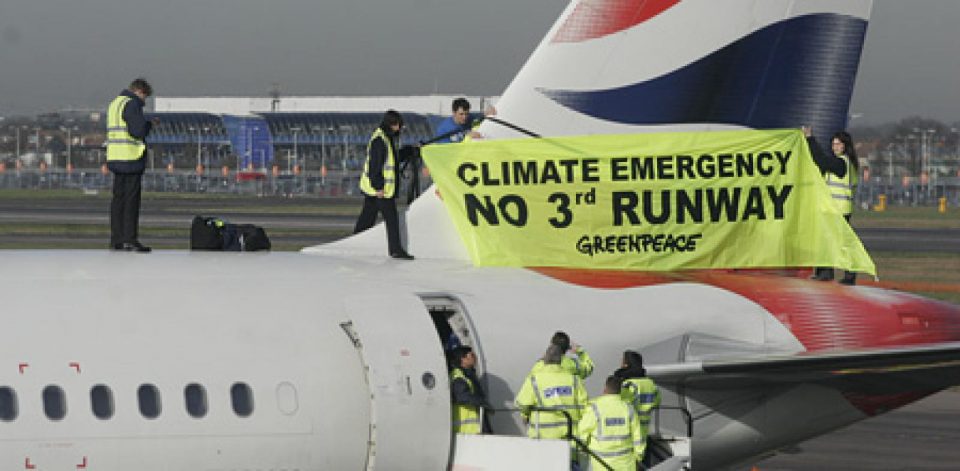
(627, 66)
(617, 66)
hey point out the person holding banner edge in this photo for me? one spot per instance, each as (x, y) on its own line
(456, 127)
(840, 171)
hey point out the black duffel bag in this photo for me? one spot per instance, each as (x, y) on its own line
(244, 238)
(206, 233)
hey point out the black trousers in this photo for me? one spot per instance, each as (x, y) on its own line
(387, 207)
(125, 208)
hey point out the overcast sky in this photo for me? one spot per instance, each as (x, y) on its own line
(56, 54)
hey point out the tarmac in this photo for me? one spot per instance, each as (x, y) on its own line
(919, 437)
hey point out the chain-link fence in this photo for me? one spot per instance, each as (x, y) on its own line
(908, 191)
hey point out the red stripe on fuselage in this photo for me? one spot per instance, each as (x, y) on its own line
(608, 279)
(823, 316)
(596, 18)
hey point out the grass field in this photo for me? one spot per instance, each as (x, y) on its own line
(906, 217)
(932, 274)
(937, 270)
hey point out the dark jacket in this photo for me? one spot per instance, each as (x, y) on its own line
(461, 391)
(462, 395)
(378, 153)
(827, 163)
(628, 373)
(138, 127)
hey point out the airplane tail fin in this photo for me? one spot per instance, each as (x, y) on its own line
(626, 66)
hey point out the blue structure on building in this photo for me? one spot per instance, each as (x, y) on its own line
(251, 140)
(308, 141)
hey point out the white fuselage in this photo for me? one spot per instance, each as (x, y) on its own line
(276, 323)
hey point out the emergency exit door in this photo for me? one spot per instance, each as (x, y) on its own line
(407, 376)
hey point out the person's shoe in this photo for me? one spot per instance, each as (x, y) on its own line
(848, 281)
(401, 256)
(116, 247)
(136, 247)
(822, 276)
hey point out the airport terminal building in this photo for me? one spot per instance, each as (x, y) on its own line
(316, 145)
(290, 133)
(267, 145)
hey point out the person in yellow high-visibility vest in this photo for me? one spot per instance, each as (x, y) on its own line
(638, 390)
(127, 131)
(467, 394)
(611, 429)
(553, 391)
(841, 172)
(551, 387)
(379, 182)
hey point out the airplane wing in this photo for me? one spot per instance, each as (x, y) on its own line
(874, 371)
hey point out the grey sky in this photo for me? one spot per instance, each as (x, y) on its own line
(78, 53)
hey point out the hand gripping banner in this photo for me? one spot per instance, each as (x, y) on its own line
(672, 201)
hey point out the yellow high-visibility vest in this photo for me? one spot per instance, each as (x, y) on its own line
(842, 189)
(551, 388)
(389, 174)
(611, 430)
(643, 395)
(120, 144)
(466, 418)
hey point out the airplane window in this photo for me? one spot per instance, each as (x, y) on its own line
(149, 397)
(196, 398)
(242, 398)
(8, 404)
(429, 381)
(101, 400)
(54, 403)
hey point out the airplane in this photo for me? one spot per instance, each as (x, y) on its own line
(330, 359)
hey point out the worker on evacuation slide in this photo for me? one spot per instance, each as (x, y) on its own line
(380, 181)
(638, 390)
(611, 429)
(580, 364)
(468, 398)
(127, 131)
(840, 171)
